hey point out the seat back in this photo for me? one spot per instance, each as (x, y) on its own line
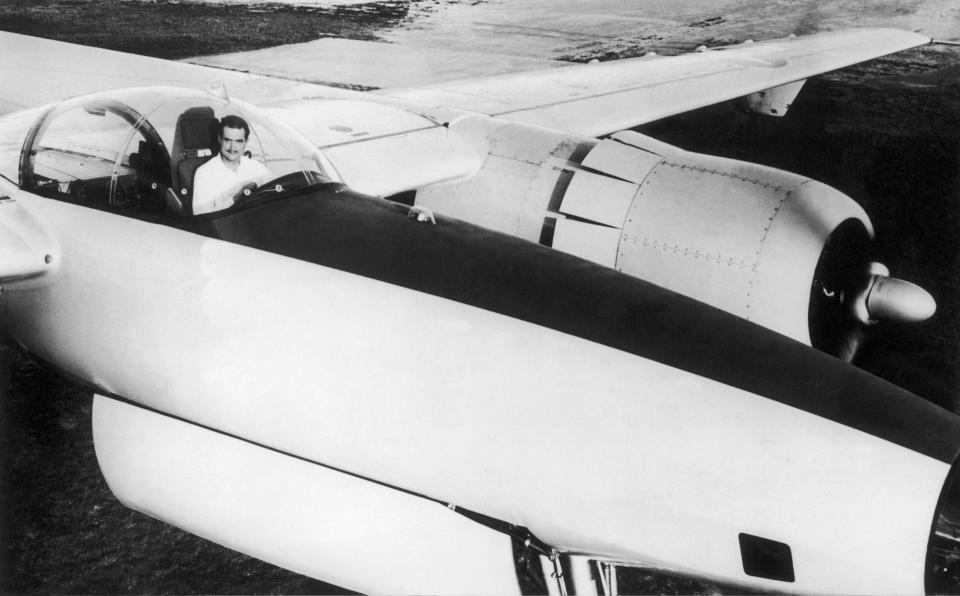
(194, 142)
(151, 167)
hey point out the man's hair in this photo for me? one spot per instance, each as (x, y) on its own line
(235, 122)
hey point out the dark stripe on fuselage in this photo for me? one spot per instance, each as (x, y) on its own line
(334, 227)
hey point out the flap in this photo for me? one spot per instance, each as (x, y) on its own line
(393, 164)
(380, 149)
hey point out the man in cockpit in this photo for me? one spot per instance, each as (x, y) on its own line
(218, 181)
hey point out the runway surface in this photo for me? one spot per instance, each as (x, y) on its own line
(887, 133)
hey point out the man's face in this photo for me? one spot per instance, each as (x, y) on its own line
(232, 144)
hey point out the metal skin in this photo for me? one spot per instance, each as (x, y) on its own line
(594, 449)
(739, 236)
(742, 237)
(323, 341)
(29, 249)
(605, 97)
(451, 156)
(293, 512)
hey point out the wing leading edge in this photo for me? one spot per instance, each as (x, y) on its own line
(600, 98)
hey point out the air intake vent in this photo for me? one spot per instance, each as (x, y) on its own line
(765, 558)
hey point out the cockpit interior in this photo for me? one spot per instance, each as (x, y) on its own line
(137, 150)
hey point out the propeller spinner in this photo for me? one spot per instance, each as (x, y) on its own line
(879, 297)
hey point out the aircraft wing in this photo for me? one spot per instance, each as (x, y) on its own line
(600, 98)
(591, 99)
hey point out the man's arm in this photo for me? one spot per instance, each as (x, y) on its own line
(260, 174)
(203, 199)
(254, 174)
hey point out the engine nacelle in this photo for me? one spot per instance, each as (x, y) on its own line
(776, 248)
(743, 237)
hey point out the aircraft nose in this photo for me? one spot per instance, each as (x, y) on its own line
(942, 575)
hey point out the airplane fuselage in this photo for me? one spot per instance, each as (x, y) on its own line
(455, 362)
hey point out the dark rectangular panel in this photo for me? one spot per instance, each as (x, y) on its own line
(766, 558)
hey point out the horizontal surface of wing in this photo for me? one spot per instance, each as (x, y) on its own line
(35, 71)
(601, 98)
(364, 64)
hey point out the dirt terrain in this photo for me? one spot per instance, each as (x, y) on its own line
(887, 133)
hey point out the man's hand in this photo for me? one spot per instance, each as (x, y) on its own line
(244, 192)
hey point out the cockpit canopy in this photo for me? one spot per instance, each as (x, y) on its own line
(137, 149)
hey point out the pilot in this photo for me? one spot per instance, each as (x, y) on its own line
(220, 179)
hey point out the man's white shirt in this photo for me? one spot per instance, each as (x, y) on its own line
(214, 184)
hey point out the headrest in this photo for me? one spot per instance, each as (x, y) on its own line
(197, 129)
